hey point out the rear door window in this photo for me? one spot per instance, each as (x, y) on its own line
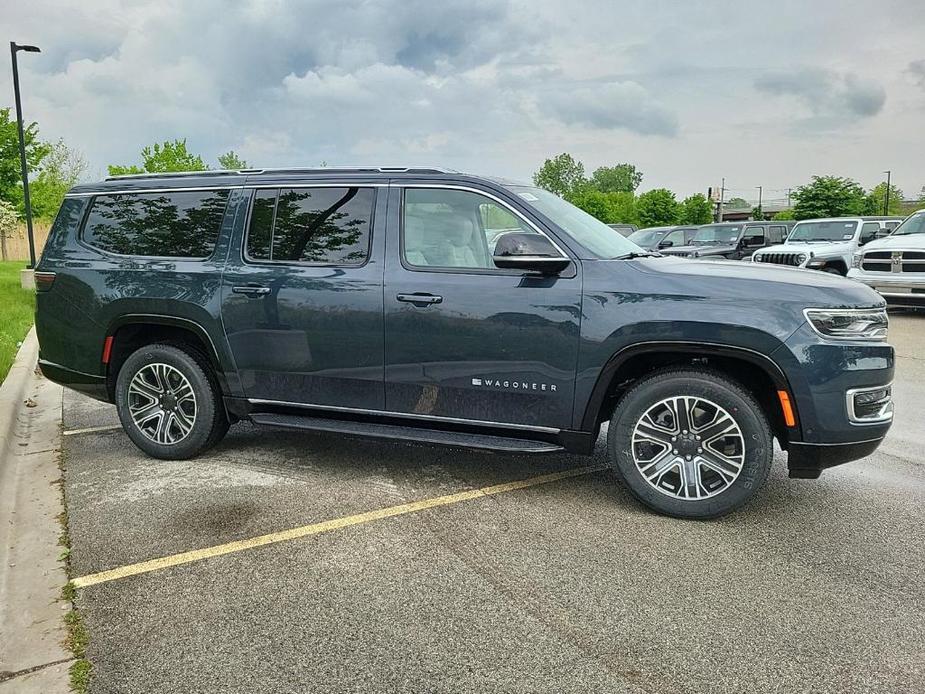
(182, 224)
(323, 226)
(776, 234)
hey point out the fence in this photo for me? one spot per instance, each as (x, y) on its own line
(17, 244)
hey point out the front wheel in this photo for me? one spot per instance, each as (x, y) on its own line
(690, 443)
(168, 402)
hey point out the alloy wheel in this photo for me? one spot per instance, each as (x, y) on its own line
(688, 448)
(162, 403)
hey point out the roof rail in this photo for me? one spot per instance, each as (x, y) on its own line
(308, 169)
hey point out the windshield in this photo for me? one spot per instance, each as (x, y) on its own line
(646, 237)
(823, 231)
(913, 225)
(594, 235)
(719, 234)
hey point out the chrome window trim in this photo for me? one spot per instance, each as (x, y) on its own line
(406, 415)
(478, 191)
(885, 414)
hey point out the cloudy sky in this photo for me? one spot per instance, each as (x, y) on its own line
(761, 93)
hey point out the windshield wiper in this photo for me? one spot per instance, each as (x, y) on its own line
(636, 254)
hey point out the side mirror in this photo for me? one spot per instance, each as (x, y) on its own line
(665, 244)
(531, 252)
(755, 241)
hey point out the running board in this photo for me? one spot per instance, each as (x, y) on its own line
(405, 433)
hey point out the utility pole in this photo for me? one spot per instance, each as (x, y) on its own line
(722, 199)
(886, 198)
(14, 49)
(760, 212)
(789, 190)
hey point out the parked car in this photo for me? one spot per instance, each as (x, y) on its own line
(658, 238)
(827, 244)
(624, 229)
(731, 241)
(369, 302)
(895, 265)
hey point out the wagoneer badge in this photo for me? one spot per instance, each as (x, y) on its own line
(512, 385)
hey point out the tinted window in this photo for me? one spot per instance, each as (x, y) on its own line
(311, 225)
(776, 233)
(676, 237)
(177, 225)
(454, 228)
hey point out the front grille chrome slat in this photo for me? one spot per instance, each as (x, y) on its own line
(894, 262)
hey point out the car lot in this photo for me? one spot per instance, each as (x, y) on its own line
(564, 586)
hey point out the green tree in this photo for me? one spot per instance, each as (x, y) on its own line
(60, 170)
(162, 158)
(657, 207)
(622, 178)
(828, 196)
(873, 204)
(736, 203)
(10, 168)
(562, 175)
(783, 215)
(696, 209)
(231, 161)
(610, 208)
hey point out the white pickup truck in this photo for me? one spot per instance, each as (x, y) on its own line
(827, 244)
(895, 265)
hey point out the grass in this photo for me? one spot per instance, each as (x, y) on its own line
(17, 306)
(77, 638)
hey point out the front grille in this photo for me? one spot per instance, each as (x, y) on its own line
(779, 258)
(894, 261)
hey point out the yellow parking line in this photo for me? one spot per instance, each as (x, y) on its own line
(90, 430)
(324, 526)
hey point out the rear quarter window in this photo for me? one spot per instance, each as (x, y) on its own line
(182, 224)
(64, 229)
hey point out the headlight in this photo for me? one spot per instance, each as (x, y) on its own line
(856, 260)
(801, 258)
(849, 324)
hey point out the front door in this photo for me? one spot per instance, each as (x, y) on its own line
(464, 339)
(302, 296)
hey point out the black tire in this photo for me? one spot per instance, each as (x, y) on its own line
(209, 423)
(755, 443)
(833, 271)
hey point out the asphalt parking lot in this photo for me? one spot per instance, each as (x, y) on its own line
(570, 585)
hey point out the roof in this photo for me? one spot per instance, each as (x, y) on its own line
(291, 170)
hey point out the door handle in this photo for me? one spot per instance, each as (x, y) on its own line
(420, 299)
(251, 290)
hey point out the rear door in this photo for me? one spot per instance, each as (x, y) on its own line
(464, 339)
(302, 295)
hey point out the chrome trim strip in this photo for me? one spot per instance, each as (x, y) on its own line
(123, 191)
(406, 415)
(885, 414)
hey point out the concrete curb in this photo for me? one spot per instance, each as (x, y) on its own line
(32, 630)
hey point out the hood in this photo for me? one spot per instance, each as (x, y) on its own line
(750, 284)
(913, 241)
(699, 251)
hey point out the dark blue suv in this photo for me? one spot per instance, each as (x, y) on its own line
(433, 306)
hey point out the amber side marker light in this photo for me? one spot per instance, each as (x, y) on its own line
(786, 408)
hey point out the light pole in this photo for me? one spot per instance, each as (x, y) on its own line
(760, 211)
(14, 49)
(886, 198)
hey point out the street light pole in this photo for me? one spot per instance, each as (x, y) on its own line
(14, 49)
(886, 198)
(760, 211)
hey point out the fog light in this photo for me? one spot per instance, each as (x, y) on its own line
(870, 405)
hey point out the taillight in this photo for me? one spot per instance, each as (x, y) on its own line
(44, 280)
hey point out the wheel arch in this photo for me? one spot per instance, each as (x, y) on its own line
(132, 331)
(757, 372)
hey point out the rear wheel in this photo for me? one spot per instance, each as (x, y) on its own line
(169, 403)
(690, 443)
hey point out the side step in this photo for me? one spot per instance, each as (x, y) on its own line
(405, 433)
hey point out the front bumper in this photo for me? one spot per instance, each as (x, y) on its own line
(821, 374)
(896, 287)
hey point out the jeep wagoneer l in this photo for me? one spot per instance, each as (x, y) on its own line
(432, 306)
